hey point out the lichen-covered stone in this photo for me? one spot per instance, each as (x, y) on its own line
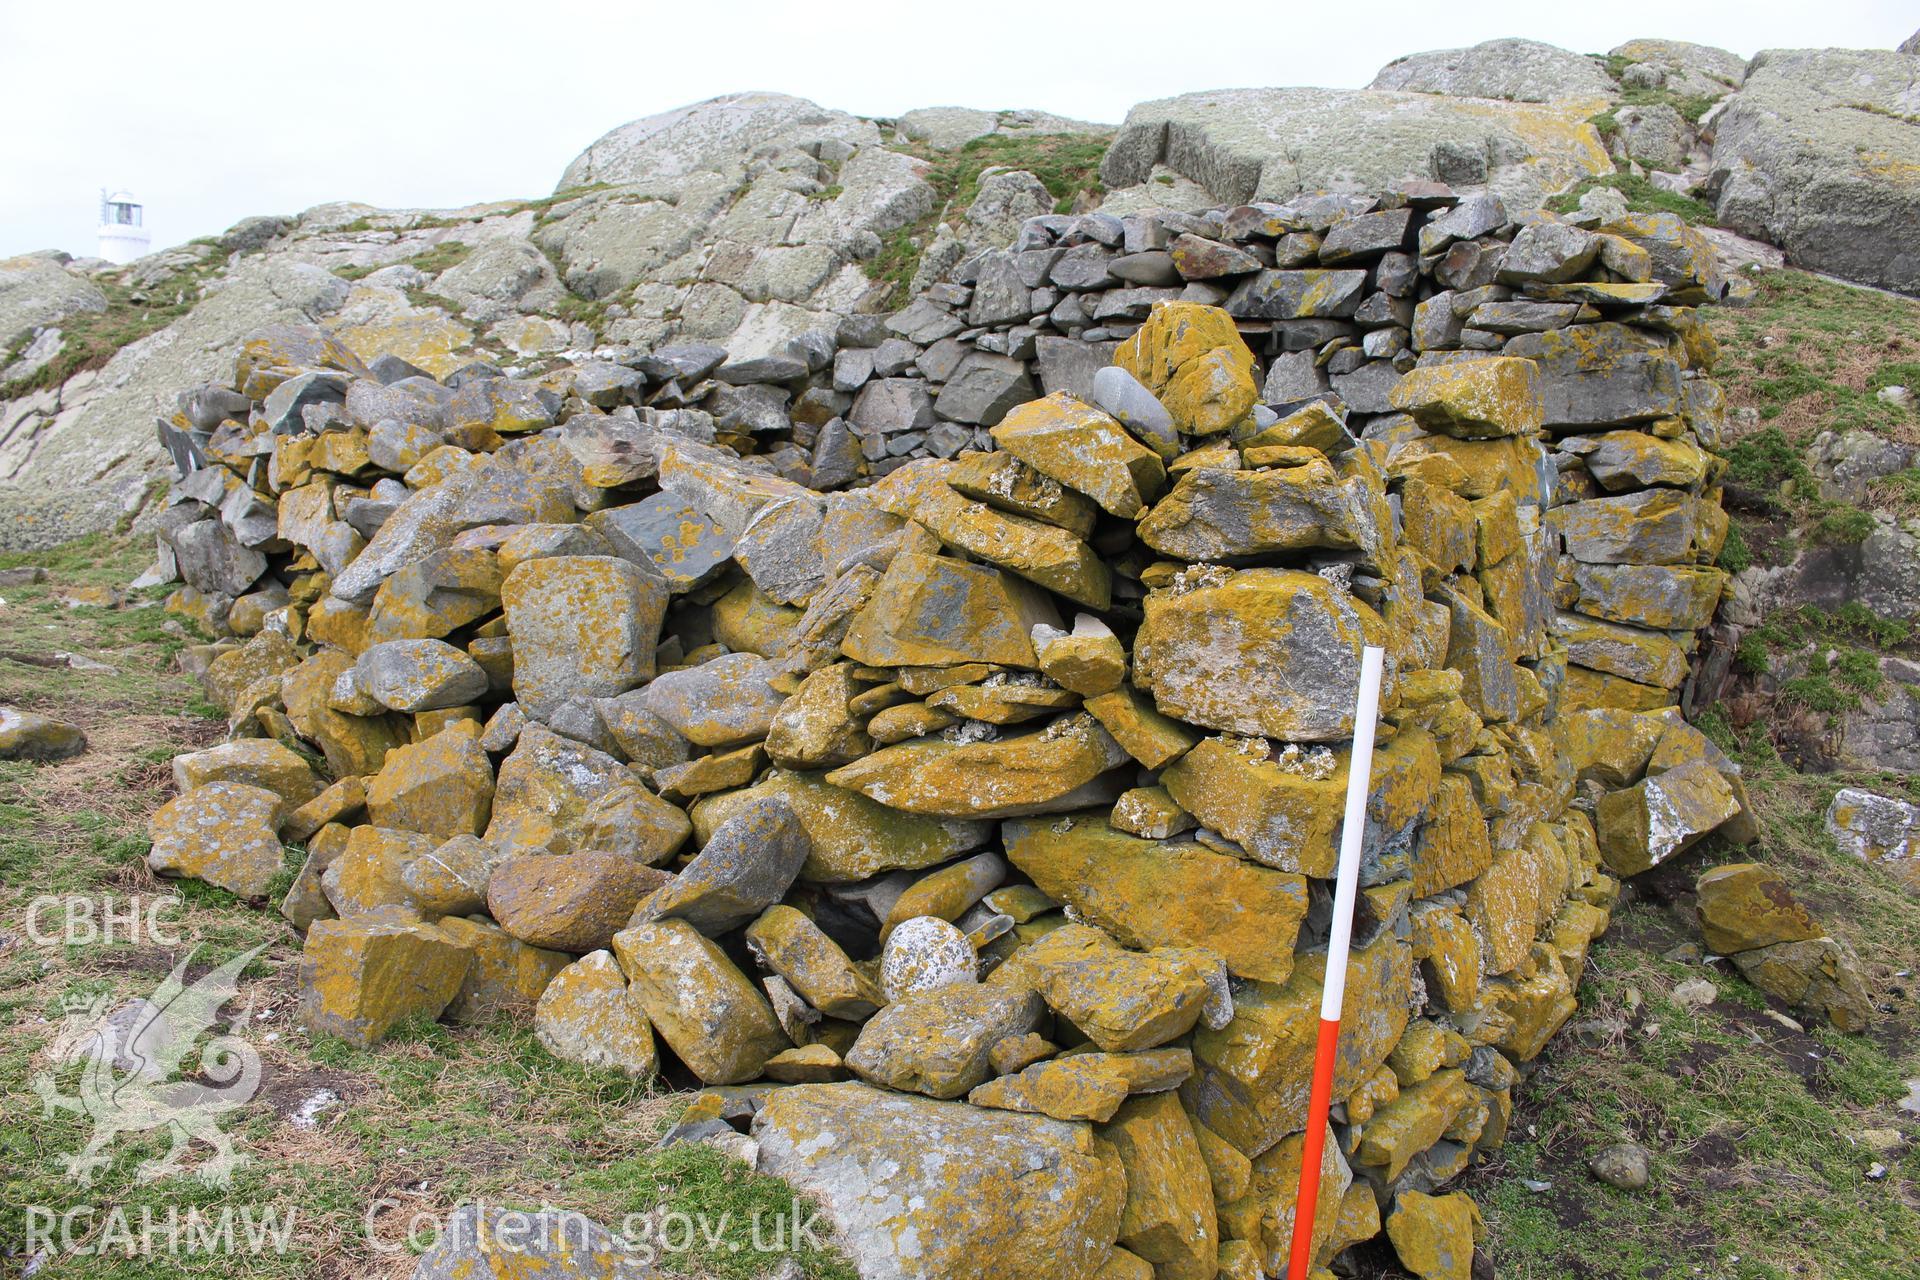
(793, 946)
(1169, 1214)
(1433, 1236)
(1123, 1000)
(924, 1190)
(1006, 777)
(1251, 1077)
(581, 626)
(936, 1041)
(418, 675)
(440, 787)
(587, 1016)
(26, 736)
(1473, 399)
(507, 976)
(745, 867)
(706, 1010)
(1216, 514)
(851, 836)
(1038, 552)
(359, 977)
(1193, 359)
(256, 762)
(554, 795)
(1654, 819)
(225, 833)
(1273, 652)
(569, 902)
(936, 611)
(1745, 905)
(1176, 894)
(1082, 448)
(725, 702)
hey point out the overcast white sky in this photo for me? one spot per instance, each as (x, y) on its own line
(210, 110)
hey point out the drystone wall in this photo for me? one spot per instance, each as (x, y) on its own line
(931, 737)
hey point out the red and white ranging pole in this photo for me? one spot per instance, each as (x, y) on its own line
(1339, 938)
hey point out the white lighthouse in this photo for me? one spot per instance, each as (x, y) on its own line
(123, 235)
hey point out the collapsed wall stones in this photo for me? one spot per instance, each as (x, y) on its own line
(937, 732)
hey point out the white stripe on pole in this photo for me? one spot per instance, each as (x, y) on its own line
(1366, 712)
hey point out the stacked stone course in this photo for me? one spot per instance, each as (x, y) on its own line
(935, 734)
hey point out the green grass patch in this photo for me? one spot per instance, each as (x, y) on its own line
(1642, 197)
(90, 339)
(1067, 165)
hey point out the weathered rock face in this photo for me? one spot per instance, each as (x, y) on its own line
(1818, 153)
(944, 1191)
(677, 664)
(1244, 145)
(1516, 70)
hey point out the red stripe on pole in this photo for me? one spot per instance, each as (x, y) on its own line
(1312, 1150)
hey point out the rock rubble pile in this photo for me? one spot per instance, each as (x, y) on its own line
(932, 737)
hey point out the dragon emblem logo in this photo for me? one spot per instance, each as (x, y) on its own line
(131, 1059)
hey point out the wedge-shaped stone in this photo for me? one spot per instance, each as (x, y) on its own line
(979, 1193)
(936, 1041)
(707, 1011)
(852, 838)
(359, 977)
(554, 795)
(1123, 1000)
(1651, 527)
(1473, 399)
(793, 946)
(935, 611)
(750, 861)
(1003, 481)
(1169, 1216)
(440, 787)
(1041, 553)
(581, 626)
(354, 745)
(1142, 732)
(1084, 449)
(587, 1016)
(1660, 816)
(1285, 811)
(1251, 1077)
(1271, 652)
(1006, 777)
(1148, 893)
(1216, 514)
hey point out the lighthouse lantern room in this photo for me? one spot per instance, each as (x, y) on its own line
(123, 234)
